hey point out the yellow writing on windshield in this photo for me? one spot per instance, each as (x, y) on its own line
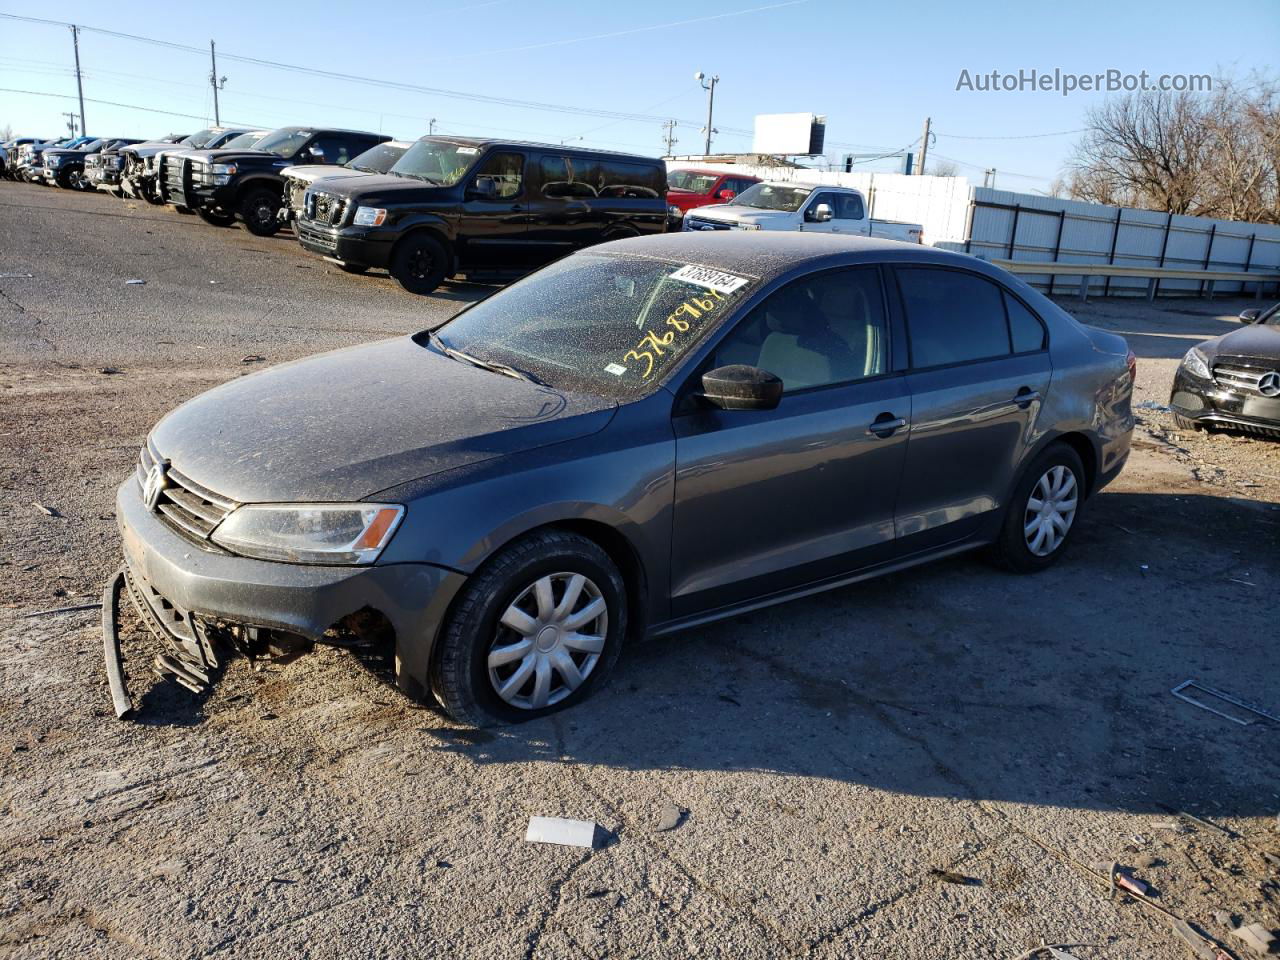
(654, 345)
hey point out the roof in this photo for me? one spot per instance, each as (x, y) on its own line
(318, 127)
(535, 145)
(770, 254)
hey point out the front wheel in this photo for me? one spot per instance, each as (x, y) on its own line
(259, 210)
(535, 631)
(216, 217)
(1043, 511)
(420, 263)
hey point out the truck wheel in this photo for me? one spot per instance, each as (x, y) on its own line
(151, 194)
(259, 210)
(64, 179)
(216, 217)
(536, 630)
(420, 263)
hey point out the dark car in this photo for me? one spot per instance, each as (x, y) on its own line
(298, 178)
(642, 437)
(64, 166)
(223, 185)
(1233, 381)
(487, 208)
(140, 177)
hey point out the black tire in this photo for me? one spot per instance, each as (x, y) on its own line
(1182, 423)
(185, 211)
(152, 195)
(64, 178)
(420, 263)
(259, 209)
(1012, 550)
(216, 218)
(356, 268)
(460, 677)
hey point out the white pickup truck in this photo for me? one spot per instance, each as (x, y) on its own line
(813, 208)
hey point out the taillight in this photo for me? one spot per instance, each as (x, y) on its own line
(1132, 361)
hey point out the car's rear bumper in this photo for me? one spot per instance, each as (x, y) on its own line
(1210, 404)
(197, 584)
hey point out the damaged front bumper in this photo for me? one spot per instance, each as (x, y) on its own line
(191, 593)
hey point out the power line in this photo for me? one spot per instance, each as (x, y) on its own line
(1022, 136)
(126, 106)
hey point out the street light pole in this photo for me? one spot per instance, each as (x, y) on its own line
(213, 81)
(75, 40)
(709, 85)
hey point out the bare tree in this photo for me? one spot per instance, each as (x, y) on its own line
(1215, 154)
(943, 168)
(6, 134)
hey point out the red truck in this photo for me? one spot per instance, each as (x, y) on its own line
(687, 189)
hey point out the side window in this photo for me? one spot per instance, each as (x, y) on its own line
(558, 181)
(616, 178)
(1025, 330)
(810, 212)
(505, 171)
(817, 331)
(333, 149)
(952, 316)
(849, 207)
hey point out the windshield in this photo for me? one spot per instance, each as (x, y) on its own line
(284, 142)
(768, 196)
(377, 159)
(437, 161)
(243, 142)
(693, 182)
(91, 146)
(596, 323)
(1272, 317)
(201, 138)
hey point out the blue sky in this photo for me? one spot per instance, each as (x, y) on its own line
(876, 70)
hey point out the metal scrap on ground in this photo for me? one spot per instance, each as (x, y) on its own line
(569, 833)
(1226, 697)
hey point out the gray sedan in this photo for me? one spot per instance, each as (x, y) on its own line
(647, 435)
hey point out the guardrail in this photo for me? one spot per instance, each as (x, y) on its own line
(1153, 275)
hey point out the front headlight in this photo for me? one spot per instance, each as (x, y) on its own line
(228, 169)
(328, 533)
(675, 211)
(1197, 364)
(53, 161)
(369, 217)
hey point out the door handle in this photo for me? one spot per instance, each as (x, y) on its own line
(1025, 397)
(885, 425)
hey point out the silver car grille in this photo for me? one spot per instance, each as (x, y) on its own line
(189, 508)
(323, 208)
(1242, 373)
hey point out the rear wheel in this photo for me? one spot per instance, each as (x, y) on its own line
(419, 263)
(217, 217)
(259, 210)
(535, 631)
(1043, 511)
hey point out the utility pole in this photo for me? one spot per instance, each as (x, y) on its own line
(709, 85)
(924, 143)
(670, 136)
(215, 82)
(71, 122)
(431, 126)
(75, 41)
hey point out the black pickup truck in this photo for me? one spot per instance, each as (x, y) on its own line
(221, 185)
(491, 209)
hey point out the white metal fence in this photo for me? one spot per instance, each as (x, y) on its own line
(1003, 225)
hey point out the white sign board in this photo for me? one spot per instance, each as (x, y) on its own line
(785, 134)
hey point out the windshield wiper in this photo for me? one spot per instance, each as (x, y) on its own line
(491, 365)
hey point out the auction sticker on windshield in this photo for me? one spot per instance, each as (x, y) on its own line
(716, 280)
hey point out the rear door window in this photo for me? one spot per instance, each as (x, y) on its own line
(559, 182)
(621, 179)
(952, 316)
(1025, 329)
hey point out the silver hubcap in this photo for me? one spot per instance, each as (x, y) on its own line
(548, 641)
(1050, 511)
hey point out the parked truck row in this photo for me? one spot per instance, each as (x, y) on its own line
(437, 207)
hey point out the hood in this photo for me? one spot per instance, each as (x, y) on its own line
(738, 213)
(238, 156)
(1261, 341)
(151, 149)
(345, 425)
(378, 188)
(311, 172)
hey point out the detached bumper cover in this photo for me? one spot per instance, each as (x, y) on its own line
(184, 584)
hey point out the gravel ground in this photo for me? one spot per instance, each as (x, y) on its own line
(827, 753)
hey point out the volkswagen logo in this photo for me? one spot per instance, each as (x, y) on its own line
(1269, 385)
(156, 481)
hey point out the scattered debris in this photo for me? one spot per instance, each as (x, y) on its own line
(1224, 917)
(134, 283)
(959, 879)
(1203, 948)
(47, 511)
(283, 880)
(72, 609)
(569, 833)
(1149, 862)
(253, 358)
(1152, 405)
(1247, 583)
(1173, 825)
(1236, 701)
(1256, 937)
(17, 276)
(1204, 823)
(1055, 952)
(110, 370)
(670, 818)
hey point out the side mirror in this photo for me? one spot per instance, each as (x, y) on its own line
(1250, 316)
(725, 194)
(483, 189)
(821, 213)
(740, 387)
